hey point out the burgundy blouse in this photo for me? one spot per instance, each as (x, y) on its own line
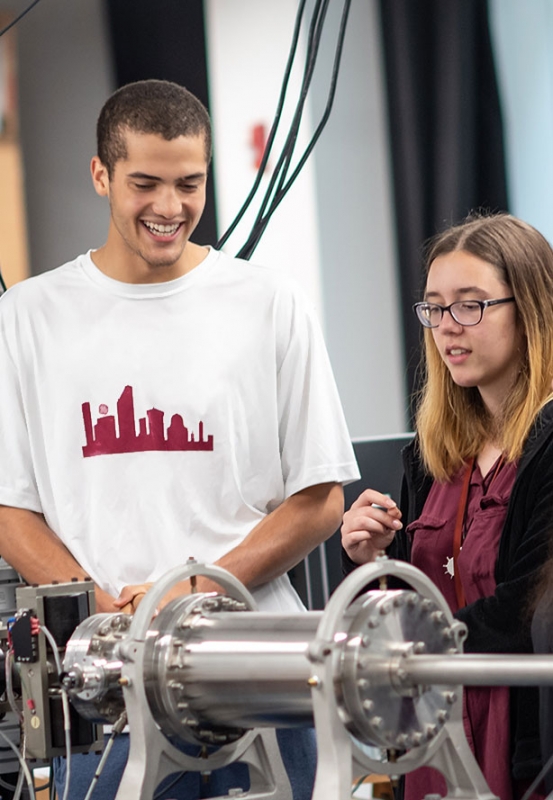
(432, 533)
(485, 710)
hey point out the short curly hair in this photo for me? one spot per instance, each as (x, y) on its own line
(150, 106)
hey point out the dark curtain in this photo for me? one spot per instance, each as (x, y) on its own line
(445, 129)
(164, 39)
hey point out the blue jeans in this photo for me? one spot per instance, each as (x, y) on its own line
(297, 748)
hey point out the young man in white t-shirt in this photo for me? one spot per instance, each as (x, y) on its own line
(246, 471)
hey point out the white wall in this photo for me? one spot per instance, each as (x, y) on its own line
(334, 231)
(522, 34)
(356, 230)
(64, 79)
(248, 44)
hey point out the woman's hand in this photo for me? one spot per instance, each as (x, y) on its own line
(369, 526)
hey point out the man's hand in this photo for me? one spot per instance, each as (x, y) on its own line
(105, 603)
(131, 596)
(276, 544)
(34, 550)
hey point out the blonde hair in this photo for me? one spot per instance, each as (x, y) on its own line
(452, 421)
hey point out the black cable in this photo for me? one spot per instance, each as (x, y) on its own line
(286, 154)
(328, 107)
(279, 196)
(262, 222)
(283, 163)
(53, 790)
(169, 786)
(538, 779)
(273, 131)
(282, 167)
(16, 20)
(4, 784)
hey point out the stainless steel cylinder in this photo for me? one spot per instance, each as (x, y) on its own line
(211, 668)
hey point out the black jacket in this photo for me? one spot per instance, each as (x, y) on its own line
(501, 623)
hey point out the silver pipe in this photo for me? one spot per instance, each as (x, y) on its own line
(476, 670)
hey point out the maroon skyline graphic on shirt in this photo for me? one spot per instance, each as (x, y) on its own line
(102, 437)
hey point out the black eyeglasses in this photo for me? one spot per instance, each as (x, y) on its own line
(465, 312)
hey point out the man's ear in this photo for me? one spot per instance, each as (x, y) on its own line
(100, 177)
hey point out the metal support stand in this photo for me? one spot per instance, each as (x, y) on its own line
(339, 752)
(152, 757)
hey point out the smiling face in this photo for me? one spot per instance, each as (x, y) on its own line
(157, 196)
(488, 355)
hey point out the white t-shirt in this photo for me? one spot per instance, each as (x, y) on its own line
(151, 423)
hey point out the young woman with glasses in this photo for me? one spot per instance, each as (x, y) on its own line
(476, 506)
